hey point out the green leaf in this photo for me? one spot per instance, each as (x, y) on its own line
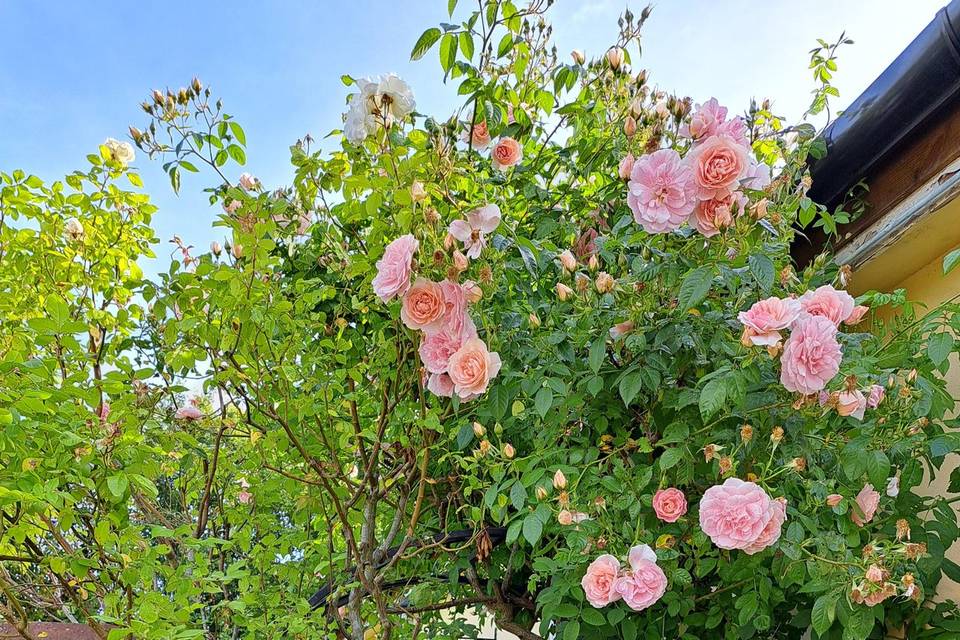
(542, 401)
(237, 153)
(878, 468)
(939, 347)
(951, 260)
(518, 495)
(532, 528)
(506, 43)
(695, 287)
(822, 615)
(630, 385)
(571, 630)
(498, 400)
(117, 484)
(451, 7)
(448, 52)
(597, 351)
(426, 40)
(466, 44)
(593, 617)
(238, 133)
(670, 458)
(763, 271)
(712, 397)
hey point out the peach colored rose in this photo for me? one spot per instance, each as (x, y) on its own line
(472, 367)
(568, 261)
(669, 504)
(811, 356)
(851, 403)
(626, 166)
(736, 513)
(833, 304)
(455, 301)
(424, 307)
(856, 316)
(770, 533)
(767, 318)
(599, 583)
(718, 165)
(506, 153)
(481, 136)
(645, 583)
(710, 216)
(834, 499)
(867, 502)
(394, 268)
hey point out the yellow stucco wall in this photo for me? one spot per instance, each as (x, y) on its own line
(915, 263)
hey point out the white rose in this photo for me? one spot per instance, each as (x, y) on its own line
(122, 152)
(398, 95)
(73, 229)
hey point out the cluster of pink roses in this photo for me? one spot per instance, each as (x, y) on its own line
(665, 190)
(735, 515)
(811, 355)
(455, 359)
(639, 587)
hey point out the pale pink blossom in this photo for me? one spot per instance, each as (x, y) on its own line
(440, 384)
(231, 206)
(893, 486)
(617, 331)
(189, 412)
(472, 291)
(705, 121)
(436, 348)
(867, 500)
(472, 231)
(455, 303)
(394, 268)
(833, 304)
(876, 396)
(735, 514)
(851, 403)
(661, 192)
(834, 499)
(767, 318)
(472, 367)
(736, 128)
(669, 504)
(811, 355)
(718, 165)
(758, 176)
(856, 316)
(248, 182)
(770, 533)
(506, 153)
(645, 583)
(626, 166)
(424, 307)
(600, 581)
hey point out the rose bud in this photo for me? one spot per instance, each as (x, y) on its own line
(534, 319)
(508, 451)
(615, 57)
(578, 56)
(563, 291)
(630, 127)
(541, 493)
(559, 480)
(568, 261)
(215, 248)
(479, 430)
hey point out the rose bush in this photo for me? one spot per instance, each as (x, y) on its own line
(547, 359)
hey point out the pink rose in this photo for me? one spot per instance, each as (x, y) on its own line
(736, 128)
(472, 367)
(661, 192)
(393, 269)
(248, 182)
(710, 216)
(472, 231)
(770, 533)
(876, 396)
(811, 355)
(645, 583)
(455, 301)
(828, 302)
(705, 120)
(867, 500)
(440, 384)
(669, 504)
(851, 403)
(626, 166)
(189, 412)
(834, 499)
(599, 583)
(424, 307)
(506, 153)
(718, 165)
(735, 514)
(436, 348)
(857, 315)
(767, 318)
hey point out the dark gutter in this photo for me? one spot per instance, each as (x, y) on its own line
(921, 85)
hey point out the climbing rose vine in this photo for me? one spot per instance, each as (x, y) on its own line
(544, 362)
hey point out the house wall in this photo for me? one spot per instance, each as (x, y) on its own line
(915, 263)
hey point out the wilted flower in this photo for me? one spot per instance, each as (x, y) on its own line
(604, 282)
(484, 447)
(776, 435)
(725, 465)
(893, 486)
(746, 433)
(834, 499)
(867, 502)
(417, 191)
(617, 331)
(903, 529)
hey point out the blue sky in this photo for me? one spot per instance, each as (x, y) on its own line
(73, 73)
